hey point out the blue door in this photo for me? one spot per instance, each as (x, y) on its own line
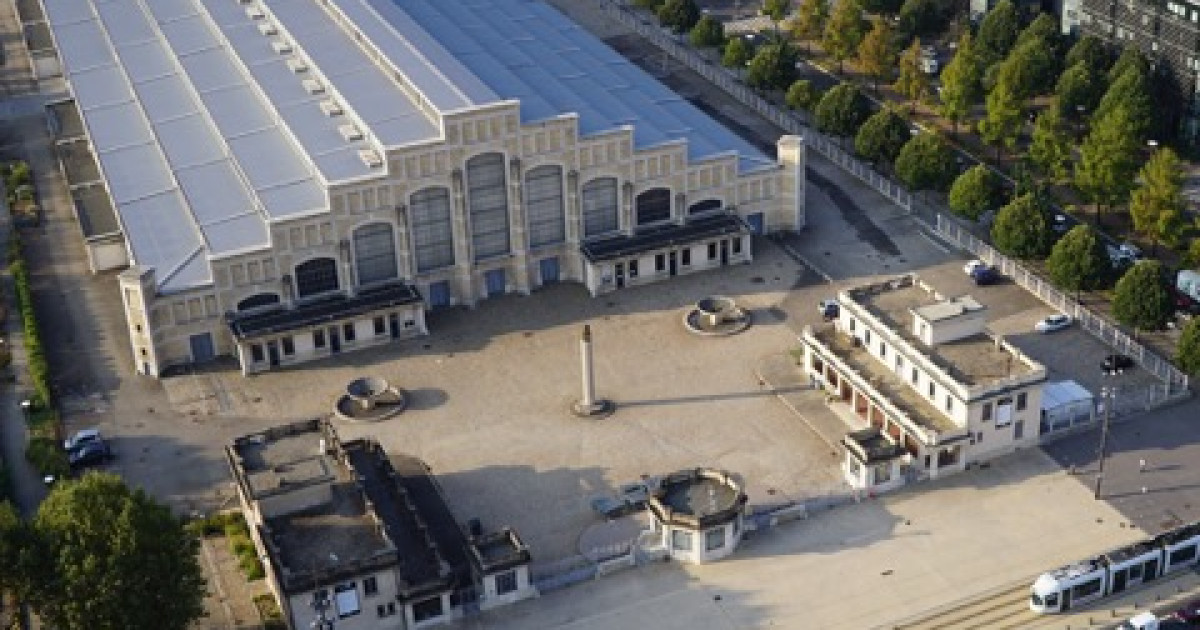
(202, 348)
(757, 223)
(494, 281)
(549, 269)
(439, 294)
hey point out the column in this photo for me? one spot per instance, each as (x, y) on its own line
(461, 225)
(518, 235)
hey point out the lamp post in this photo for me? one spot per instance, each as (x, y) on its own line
(1109, 395)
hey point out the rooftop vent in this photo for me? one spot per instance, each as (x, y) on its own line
(370, 158)
(350, 132)
(281, 47)
(267, 28)
(297, 65)
(313, 86)
(255, 13)
(331, 108)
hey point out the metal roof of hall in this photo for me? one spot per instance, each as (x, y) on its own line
(211, 118)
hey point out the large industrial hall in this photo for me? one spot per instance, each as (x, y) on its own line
(290, 179)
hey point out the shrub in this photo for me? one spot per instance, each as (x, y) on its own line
(39, 369)
(46, 456)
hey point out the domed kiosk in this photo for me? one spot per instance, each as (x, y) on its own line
(698, 514)
(370, 399)
(716, 316)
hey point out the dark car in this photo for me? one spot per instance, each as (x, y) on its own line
(89, 454)
(1190, 613)
(1116, 363)
(985, 275)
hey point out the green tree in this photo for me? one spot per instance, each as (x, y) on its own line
(707, 33)
(882, 7)
(653, 5)
(998, 32)
(1141, 298)
(737, 53)
(13, 547)
(1092, 53)
(1045, 30)
(1050, 148)
(1130, 91)
(1030, 69)
(679, 15)
(1005, 114)
(976, 192)
(773, 66)
(1022, 228)
(1131, 59)
(882, 136)
(1157, 206)
(777, 9)
(842, 110)
(875, 55)
(962, 84)
(810, 19)
(1079, 261)
(1108, 160)
(911, 80)
(112, 558)
(844, 31)
(922, 18)
(1078, 89)
(1187, 352)
(926, 163)
(802, 94)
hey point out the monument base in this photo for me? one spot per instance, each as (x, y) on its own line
(597, 409)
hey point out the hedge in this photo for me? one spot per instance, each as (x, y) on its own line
(39, 369)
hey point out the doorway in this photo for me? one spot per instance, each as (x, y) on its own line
(335, 340)
(273, 352)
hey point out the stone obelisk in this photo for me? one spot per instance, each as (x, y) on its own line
(588, 405)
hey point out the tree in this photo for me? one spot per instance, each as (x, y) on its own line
(1022, 227)
(773, 66)
(998, 32)
(961, 83)
(1141, 298)
(1004, 117)
(1130, 91)
(810, 19)
(707, 33)
(777, 10)
(882, 7)
(1044, 30)
(1131, 59)
(1079, 261)
(1157, 206)
(842, 110)
(679, 15)
(882, 136)
(875, 55)
(922, 18)
(912, 82)
(843, 31)
(802, 95)
(653, 5)
(926, 163)
(737, 53)
(111, 558)
(1187, 352)
(1091, 52)
(976, 192)
(1030, 69)
(1078, 89)
(1050, 148)
(1108, 160)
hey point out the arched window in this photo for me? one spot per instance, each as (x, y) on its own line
(316, 276)
(487, 203)
(701, 207)
(599, 199)
(258, 300)
(544, 206)
(375, 253)
(653, 206)
(432, 233)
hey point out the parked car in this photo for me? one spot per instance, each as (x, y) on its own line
(829, 309)
(89, 454)
(974, 265)
(1190, 613)
(1053, 323)
(81, 438)
(1116, 363)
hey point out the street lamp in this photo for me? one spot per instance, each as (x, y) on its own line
(26, 408)
(1108, 394)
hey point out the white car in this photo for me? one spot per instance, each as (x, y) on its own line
(1053, 323)
(81, 437)
(973, 267)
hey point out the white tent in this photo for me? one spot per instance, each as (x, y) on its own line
(1066, 404)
